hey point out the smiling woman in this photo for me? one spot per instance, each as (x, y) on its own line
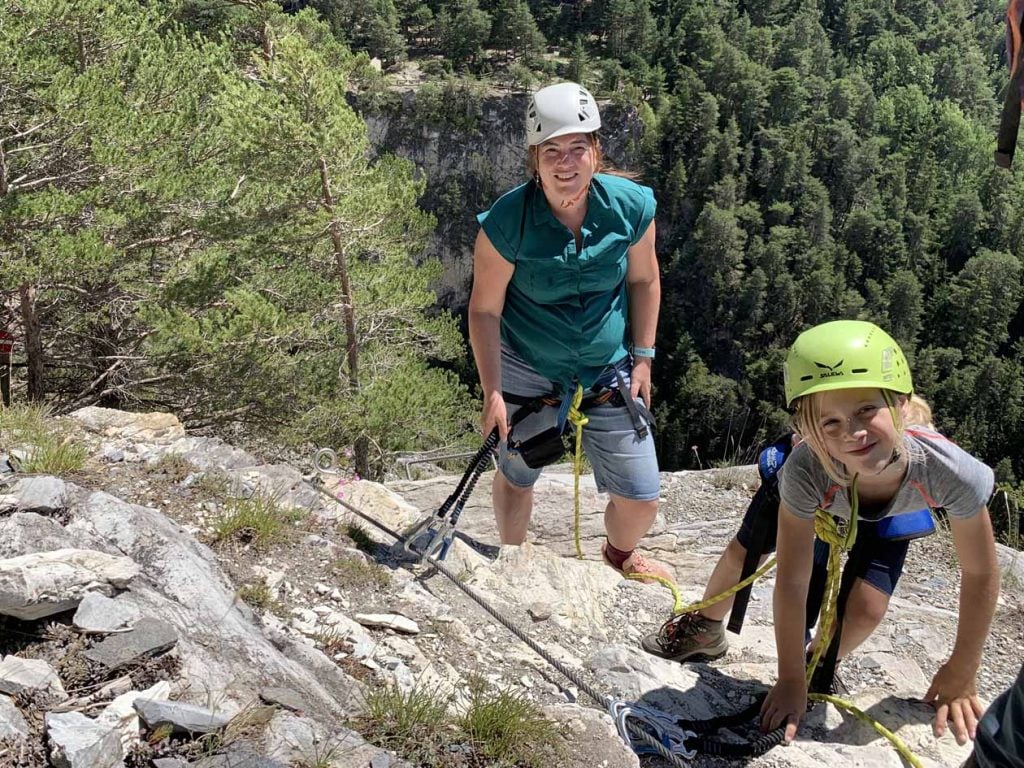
(565, 298)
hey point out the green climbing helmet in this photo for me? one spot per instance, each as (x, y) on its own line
(845, 354)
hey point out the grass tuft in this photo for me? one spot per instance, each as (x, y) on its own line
(354, 571)
(413, 724)
(507, 728)
(258, 521)
(174, 466)
(498, 728)
(46, 446)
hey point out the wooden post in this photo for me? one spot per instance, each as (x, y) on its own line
(6, 346)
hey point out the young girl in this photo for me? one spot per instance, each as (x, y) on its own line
(850, 386)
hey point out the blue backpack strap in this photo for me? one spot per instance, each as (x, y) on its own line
(764, 510)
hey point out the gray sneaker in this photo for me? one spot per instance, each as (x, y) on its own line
(687, 637)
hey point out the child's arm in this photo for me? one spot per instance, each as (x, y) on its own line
(953, 688)
(787, 700)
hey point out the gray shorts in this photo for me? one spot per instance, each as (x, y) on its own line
(624, 464)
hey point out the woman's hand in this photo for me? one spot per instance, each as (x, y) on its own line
(494, 415)
(955, 698)
(786, 703)
(640, 380)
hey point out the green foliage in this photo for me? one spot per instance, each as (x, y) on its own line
(258, 521)
(38, 443)
(356, 572)
(507, 729)
(497, 728)
(453, 103)
(413, 724)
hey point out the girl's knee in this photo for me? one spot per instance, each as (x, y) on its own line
(867, 604)
(735, 552)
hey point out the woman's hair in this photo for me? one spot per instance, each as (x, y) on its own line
(602, 165)
(807, 423)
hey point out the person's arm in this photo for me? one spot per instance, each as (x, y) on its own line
(491, 275)
(787, 700)
(644, 281)
(952, 691)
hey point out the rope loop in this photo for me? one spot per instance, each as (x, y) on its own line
(657, 732)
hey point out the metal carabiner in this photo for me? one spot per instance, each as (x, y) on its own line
(427, 537)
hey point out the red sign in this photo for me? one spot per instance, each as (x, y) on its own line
(6, 343)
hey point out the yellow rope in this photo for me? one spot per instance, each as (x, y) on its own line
(826, 529)
(839, 541)
(677, 598)
(579, 420)
(864, 717)
(678, 609)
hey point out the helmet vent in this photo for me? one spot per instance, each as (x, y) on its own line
(859, 370)
(806, 378)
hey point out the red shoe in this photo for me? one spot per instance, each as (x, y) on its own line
(638, 567)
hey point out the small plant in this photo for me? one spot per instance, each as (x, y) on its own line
(732, 478)
(20, 420)
(46, 447)
(354, 571)
(258, 521)
(174, 466)
(213, 485)
(416, 724)
(54, 455)
(331, 641)
(506, 728)
(498, 728)
(257, 596)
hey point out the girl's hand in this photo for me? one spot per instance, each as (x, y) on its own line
(786, 703)
(954, 697)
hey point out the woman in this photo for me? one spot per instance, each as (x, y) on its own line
(565, 294)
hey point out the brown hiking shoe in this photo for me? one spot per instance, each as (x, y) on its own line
(639, 567)
(687, 637)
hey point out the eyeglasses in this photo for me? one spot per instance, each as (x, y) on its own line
(835, 427)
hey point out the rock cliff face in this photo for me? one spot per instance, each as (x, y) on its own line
(135, 618)
(467, 168)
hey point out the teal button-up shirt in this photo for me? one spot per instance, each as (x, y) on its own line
(566, 312)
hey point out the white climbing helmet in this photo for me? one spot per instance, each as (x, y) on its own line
(558, 110)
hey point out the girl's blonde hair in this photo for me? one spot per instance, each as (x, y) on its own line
(915, 411)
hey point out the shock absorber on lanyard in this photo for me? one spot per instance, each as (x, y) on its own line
(433, 535)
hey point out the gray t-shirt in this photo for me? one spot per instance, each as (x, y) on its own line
(946, 477)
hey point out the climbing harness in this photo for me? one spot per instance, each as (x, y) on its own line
(643, 728)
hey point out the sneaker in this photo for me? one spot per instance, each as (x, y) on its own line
(688, 637)
(639, 567)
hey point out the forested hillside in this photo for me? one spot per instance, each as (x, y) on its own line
(811, 161)
(189, 218)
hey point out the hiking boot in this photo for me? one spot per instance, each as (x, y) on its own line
(639, 567)
(688, 637)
